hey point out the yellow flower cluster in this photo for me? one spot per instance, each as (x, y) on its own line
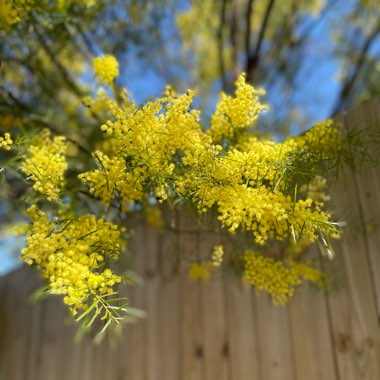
(200, 271)
(322, 140)
(12, 11)
(275, 277)
(106, 68)
(160, 150)
(217, 256)
(72, 255)
(45, 164)
(112, 177)
(62, 5)
(153, 216)
(236, 113)
(6, 141)
(316, 189)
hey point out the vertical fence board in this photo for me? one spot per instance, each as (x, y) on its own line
(192, 338)
(353, 312)
(242, 333)
(131, 360)
(169, 322)
(275, 344)
(368, 187)
(214, 317)
(152, 327)
(311, 335)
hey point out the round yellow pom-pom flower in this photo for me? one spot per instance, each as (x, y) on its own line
(106, 68)
(6, 142)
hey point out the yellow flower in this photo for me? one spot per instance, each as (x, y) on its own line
(236, 113)
(200, 271)
(106, 68)
(275, 277)
(45, 164)
(217, 255)
(71, 255)
(6, 141)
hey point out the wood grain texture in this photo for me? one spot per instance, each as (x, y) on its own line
(241, 315)
(367, 181)
(310, 334)
(274, 339)
(353, 310)
(191, 329)
(221, 329)
(216, 345)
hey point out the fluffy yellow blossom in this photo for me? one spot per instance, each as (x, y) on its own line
(275, 277)
(45, 164)
(236, 113)
(62, 5)
(11, 12)
(106, 68)
(97, 105)
(200, 271)
(316, 189)
(72, 255)
(323, 140)
(217, 255)
(112, 179)
(6, 141)
(153, 216)
(160, 150)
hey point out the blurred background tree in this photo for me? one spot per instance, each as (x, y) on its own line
(314, 58)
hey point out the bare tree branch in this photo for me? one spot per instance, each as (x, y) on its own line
(254, 57)
(219, 36)
(234, 38)
(65, 75)
(248, 31)
(350, 81)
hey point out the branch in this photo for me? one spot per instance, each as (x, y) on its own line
(234, 33)
(219, 36)
(254, 57)
(49, 125)
(349, 83)
(87, 41)
(38, 119)
(65, 75)
(16, 102)
(248, 30)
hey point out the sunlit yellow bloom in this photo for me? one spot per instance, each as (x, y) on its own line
(6, 141)
(275, 277)
(106, 68)
(200, 271)
(217, 255)
(71, 255)
(160, 150)
(45, 164)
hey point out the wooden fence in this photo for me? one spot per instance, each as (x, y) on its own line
(220, 330)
